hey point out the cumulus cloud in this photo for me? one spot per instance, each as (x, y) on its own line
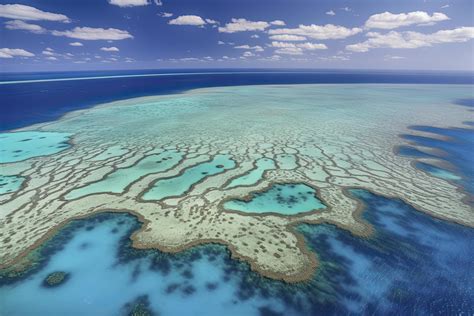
(48, 52)
(311, 46)
(331, 12)
(21, 25)
(188, 20)
(24, 12)
(248, 54)
(387, 20)
(257, 48)
(289, 51)
(243, 25)
(14, 52)
(165, 14)
(109, 49)
(129, 3)
(328, 31)
(76, 44)
(412, 40)
(307, 45)
(255, 36)
(211, 21)
(278, 23)
(91, 33)
(286, 37)
(295, 49)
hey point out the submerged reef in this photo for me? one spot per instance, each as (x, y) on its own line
(55, 279)
(176, 161)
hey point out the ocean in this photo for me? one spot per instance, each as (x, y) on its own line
(412, 264)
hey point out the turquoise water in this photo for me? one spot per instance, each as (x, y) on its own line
(105, 274)
(181, 184)
(285, 199)
(23, 145)
(118, 180)
(9, 184)
(413, 265)
(255, 175)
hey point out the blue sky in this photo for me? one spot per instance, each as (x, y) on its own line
(133, 34)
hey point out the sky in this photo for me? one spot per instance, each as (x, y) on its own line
(60, 35)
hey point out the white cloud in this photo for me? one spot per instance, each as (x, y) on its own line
(48, 53)
(311, 46)
(20, 25)
(211, 21)
(255, 36)
(445, 6)
(14, 52)
(188, 20)
(290, 51)
(76, 44)
(220, 43)
(248, 54)
(334, 58)
(328, 31)
(391, 57)
(51, 58)
(24, 12)
(331, 12)
(307, 45)
(347, 9)
(158, 2)
(387, 20)
(109, 49)
(286, 37)
(165, 14)
(295, 49)
(129, 3)
(90, 33)
(189, 59)
(242, 25)
(257, 48)
(412, 40)
(271, 58)
(278, 23)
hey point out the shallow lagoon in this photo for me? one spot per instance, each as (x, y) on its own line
(180, 184)
(23, 145)
(284, 199)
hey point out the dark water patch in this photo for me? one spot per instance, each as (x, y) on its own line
(465, 102)
(459, 147)
(409, 151)
(55, 279)
(139, 307)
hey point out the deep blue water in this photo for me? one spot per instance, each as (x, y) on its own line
(28, 103)
(458, 150)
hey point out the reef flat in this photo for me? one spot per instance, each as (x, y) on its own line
(178, 159)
